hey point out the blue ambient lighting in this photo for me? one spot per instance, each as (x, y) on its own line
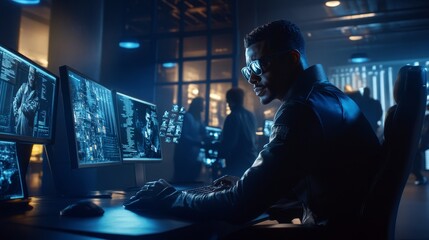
(169, 65)
(27, 2)
(359, 58)
(129, 44)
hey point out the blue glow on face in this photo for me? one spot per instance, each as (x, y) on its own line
(129, 44)
(169, 65)
(27, 2)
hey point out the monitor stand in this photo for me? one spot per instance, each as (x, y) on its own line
(61, 177)
(140, 171)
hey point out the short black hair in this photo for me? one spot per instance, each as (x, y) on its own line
(235, 95)
(280, 35)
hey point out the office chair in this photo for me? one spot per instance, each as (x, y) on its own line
(402, 135)
(379, 210)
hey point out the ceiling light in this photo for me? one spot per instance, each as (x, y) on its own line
(358, 58)
(27, 2)
(169, 65)
(332, 3)
(357, 16)
(129, 44)
(355, 37)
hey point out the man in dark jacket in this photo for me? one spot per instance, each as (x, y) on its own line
(238, 138)
(322, 151)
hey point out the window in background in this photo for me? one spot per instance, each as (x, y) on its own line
(168, 72)
(218, 108)
(168, 48)
(195, 46)
(34, 33)
(191, 91)
(221, 69)
(34, 44)
(166, 96)
(203, 46)
(194, 71)
(222, 44)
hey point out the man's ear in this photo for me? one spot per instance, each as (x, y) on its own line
(295, 56)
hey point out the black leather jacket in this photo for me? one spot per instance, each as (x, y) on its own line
(322, 151)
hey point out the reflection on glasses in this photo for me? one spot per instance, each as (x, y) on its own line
(256, 66)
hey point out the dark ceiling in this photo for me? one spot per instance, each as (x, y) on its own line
(384, 24)
(381, 23)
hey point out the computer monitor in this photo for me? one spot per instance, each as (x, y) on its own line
(211, 144)
(11, 180)
(28, 95)
(138, 129)
(90, 119)
(268, 125)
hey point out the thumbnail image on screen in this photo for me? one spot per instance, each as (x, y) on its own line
(172, 123)
(27, 99)
(90, 115)
(138, 129)
(10, 175)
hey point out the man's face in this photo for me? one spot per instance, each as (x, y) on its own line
(272, 84)
(31, 77)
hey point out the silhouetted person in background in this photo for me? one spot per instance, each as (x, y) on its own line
(187, 166)
(25, 105)
(420, 156)
(238, 138)
(416, 169)
(371, 108)
(322, 151)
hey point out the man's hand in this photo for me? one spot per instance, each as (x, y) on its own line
(149, 194)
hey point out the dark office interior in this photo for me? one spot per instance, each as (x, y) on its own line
(191, 48)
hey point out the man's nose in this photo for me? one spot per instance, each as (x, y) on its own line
(253, 79)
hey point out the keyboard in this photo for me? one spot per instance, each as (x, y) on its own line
(219, 184)
(204, 189)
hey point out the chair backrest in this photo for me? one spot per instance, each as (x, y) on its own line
(402, 133)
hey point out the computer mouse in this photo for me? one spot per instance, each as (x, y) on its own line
(84, 208)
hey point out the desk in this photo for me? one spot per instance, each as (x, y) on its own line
(45, 222)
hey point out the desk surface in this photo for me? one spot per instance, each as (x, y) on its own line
(116, 222)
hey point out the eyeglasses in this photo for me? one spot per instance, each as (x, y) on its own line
(256, 66)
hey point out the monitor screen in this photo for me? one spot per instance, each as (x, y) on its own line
(138, 129)
(211, 144)
(90, 119)
(28, 95)
(11, 186)
(268, 125)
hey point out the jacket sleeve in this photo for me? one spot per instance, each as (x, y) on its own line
(278, 168)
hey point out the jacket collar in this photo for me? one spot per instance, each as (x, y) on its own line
(304, 83)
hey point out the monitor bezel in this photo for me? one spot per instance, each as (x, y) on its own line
(136, 160)
(69, 118)
(31, 139)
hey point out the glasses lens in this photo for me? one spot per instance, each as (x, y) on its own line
(256, 67)
(246, 72)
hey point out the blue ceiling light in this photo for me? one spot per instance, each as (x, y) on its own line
(129, 44)
(27, 2)
(169, 65)
(359, 58)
